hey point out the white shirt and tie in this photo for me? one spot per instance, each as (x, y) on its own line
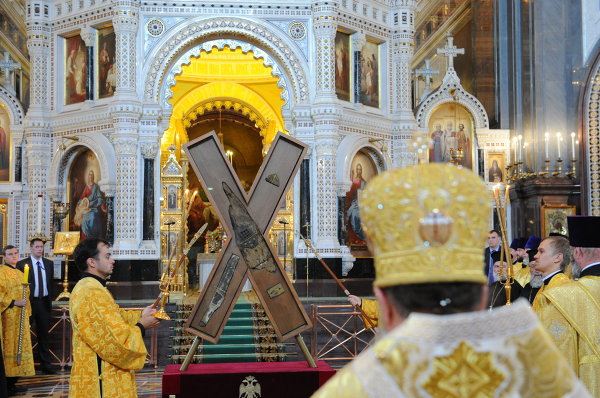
(35, 265)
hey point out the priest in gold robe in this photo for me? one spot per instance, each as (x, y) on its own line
(571, 312)
(12, 304)
(108, 343)
(552, 258)
(426, 226)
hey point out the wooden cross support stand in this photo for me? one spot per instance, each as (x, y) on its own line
(247, 218)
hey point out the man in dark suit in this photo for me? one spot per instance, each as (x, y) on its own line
(41, 273)
(493, 246)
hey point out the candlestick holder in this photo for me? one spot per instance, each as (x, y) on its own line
(65, 283)
(456, 155)
(558, 168)
(546, 171)
(573, 171)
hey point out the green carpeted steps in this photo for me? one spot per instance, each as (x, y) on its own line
(247, 337)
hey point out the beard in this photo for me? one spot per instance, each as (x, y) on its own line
(498, 277)
(575, 270)
(537, 281)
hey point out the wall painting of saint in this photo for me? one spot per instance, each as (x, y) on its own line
(342, 66)
(75, 70)
(4, 145)
(451, 132)
(87, 212)
(369, 74)
(362, 170)
(107, 74)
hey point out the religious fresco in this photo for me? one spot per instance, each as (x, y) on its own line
(451, 130)
(342, 66)
(87, 212)
(4, 145)
(75, 70)
(11, 32)
(495, 167)
(201, 211)
(107, 74)
(362, 170)
(369, 75)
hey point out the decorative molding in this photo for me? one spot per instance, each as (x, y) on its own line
(591, 138)
(14, 107)
(169, 52)
(451, 91)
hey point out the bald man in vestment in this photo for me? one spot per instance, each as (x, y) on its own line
(427, 236)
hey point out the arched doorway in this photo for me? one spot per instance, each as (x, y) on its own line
(234, 93)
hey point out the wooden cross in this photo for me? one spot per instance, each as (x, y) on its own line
(450, 51)
(247, 218)
(7, 65)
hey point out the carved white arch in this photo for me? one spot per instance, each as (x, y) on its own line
(591, 138)
(347, 150)
(15, 109)
(170, 53)
(104, 150)
(451, 91)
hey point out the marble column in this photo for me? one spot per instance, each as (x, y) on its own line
(88, 35)
(402, 47)
(326, 116)
(149, 151)
(305, 198)
(37, 128)
(126, 112)
(358, 41)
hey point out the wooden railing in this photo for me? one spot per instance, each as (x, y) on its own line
(338, 333)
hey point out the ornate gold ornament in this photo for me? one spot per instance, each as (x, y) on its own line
(464, 373)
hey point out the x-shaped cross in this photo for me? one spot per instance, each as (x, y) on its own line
(246, 218)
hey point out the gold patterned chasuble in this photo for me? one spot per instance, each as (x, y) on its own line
(11, 288)
(571, 313)
(371, 309)
(101, 328)
(499, 353)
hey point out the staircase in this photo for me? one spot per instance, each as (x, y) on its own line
(248, 336)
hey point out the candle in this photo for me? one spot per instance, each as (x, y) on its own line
(558, 143)
(515, 149)
(573, 145)
(520, 149)
(506, 195)
(26, 274)
(39, 215)
(546, 139)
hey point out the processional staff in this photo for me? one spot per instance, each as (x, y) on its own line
(23, 312)
(167, 278)
(505, 252)
(340, 284)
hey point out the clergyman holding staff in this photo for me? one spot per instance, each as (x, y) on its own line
(15, 308)
(108, 344)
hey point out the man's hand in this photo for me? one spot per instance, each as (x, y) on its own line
(354, 300)
(149, 322)
(20, 303)
(149, 310)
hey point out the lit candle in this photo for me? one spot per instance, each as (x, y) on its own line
(39, 215)
(520, 149)
(26, 274)
(525, 145)
(515, 149)
(546, 139)
(573, 145)
(558, 143)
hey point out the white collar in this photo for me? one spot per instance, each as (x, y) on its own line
(551, 275)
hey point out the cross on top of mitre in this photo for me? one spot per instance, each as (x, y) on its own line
(450, 50)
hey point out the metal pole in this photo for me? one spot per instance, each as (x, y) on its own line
(307, 356)
(190, 354)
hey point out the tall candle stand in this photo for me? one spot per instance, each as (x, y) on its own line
(573, 171)
(558, 167)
